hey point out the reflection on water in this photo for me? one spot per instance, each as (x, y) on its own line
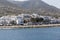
(31, 34)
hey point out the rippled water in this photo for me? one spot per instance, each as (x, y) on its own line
(31, 34)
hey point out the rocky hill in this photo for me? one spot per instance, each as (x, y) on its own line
(38, 6)
(31, 6)
(7, 8)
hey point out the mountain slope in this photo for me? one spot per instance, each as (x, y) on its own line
(7, 8)
(31, 6)
(39, 6)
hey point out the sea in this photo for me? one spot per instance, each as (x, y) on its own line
(52, 33)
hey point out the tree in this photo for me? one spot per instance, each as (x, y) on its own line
(36, 19)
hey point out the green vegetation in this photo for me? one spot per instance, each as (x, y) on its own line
(36, 19)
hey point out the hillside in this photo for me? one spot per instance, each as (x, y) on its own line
(7, 8)
(31, 6)
(38, 6)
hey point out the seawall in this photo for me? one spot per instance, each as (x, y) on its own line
(30, 26)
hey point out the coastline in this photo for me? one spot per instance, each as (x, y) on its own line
(30, 26)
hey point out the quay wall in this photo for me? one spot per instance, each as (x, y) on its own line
(30, 26)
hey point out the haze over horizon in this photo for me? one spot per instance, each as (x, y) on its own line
(55, 3)
(19, 0)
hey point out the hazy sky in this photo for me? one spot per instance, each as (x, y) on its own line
(20, 0)
(55, 3)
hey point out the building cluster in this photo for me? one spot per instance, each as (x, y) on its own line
(28, 19)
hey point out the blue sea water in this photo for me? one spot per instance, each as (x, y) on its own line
(30, 34)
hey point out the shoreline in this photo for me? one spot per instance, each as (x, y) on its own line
(30, 26)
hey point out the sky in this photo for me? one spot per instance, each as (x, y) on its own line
(20, 0)
(55, 3)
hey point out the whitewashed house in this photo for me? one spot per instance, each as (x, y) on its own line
(55, 21)
(34, 15)
(13, 18)
(19, 20)
(5, 20)
(26, 17)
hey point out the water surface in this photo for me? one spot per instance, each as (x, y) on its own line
(31, 34)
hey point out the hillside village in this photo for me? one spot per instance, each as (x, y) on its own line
(27, 19)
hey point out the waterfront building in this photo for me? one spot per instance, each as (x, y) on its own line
(55, 21)
(34, 15)
(33, 19)
(19, 20)
(7, 20)
(26, 17)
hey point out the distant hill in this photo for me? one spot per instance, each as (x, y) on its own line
(39, 6)
(31, 6)
(7, 8)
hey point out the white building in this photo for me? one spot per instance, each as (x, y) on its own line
(26, 17)
(19, 20)
(56, 21)
(5, 20)
(34, 15)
